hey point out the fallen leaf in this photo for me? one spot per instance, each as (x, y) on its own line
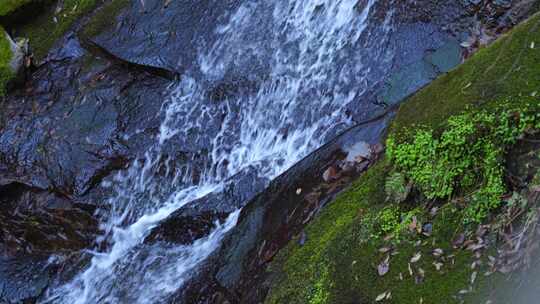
(458, 241)
(384, 249)
(416, 257)
(413, 224)
(383, 267)
(438, 252)
(381, 297)
(473, 277)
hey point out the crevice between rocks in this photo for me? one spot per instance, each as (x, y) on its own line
(99, 51)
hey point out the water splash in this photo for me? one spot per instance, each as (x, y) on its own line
(308, 61)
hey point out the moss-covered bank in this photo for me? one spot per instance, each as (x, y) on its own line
(343, 259)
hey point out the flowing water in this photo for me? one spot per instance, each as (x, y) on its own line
(312, 60)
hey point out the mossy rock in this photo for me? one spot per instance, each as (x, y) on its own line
(9, 6)
(52, 23)
(104, 18)
(338, 262)
(6, 73)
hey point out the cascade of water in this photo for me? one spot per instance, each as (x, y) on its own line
(313, 56)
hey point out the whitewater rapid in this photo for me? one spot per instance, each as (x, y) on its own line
(313, 55)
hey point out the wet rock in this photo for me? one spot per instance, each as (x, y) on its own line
(407, 81)
(68, 135)
(75, 122)
(99, 51)
(22, 279)
(185, 229)
(36, 225)
(270, 220)
(35, 221)
(198, 218)
(179, 26)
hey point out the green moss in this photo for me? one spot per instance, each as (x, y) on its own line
(5, 57)
(506, 69)
(339, 259)
(51, 25)
(356, 278)
(8, 6)
(467, 156)
(104, 18)
(305, 266)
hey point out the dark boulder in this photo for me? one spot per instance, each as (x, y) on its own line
(35, 226)
(67, 129)
(198, 218)
(184, 229)
(134, 35)
(23, 279)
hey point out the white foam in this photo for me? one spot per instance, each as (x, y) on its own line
(314, 73)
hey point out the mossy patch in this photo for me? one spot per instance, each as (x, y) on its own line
(104, 18)
(5, 58)
(8, 6)
(338, 263)
(52, 24)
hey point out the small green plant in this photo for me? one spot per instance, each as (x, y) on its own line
(393, 223)
(319, 294)
(388, 220)
(396, 187)
(467, 156)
